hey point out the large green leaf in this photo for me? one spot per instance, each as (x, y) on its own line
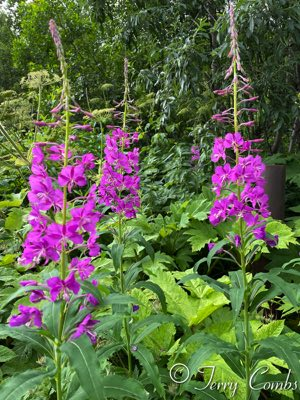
(199, 237)
(119, 387)
(83, 360)
(193, 309)
(14, 221)
(146, 359)
(208, 345)
(143, 328)
(15, 387)
(285, 234)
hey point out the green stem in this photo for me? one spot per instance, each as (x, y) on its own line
(247, 360)
(38, 111)
(126, 93)
(63, 266)
(122, 284)
(58, 374)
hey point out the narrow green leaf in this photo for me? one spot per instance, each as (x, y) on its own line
(236, 291)
(149, 249)
(282, 348)
(146, 359)
(15, 387)
(108, 321)
(218, 286)
(118, 387)
(155, 289)
(117, 254)
(6, 354)
(28, 335)
(200, 391)
(83, 360)
(289, 289)
(50, 316)
(214, 250)
(108, 350)
(119, 298)
(146, 332)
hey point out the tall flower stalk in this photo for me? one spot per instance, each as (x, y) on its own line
(50, 240)
(65, 102)
(119, 185)
(239, 183)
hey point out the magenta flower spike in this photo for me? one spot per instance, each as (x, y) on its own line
(239, 188)
(239, 82)
(119, 185)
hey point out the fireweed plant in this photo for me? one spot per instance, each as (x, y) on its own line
(63, 230)
(239, 183)
(119, 189)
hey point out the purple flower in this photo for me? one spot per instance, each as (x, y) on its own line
(237, 240)
(58, 286)
(37, 249)
(83, 267)
(57, 152)
(59, 234)
(94, 248)
(272, 242)
(36, 296)
(87, 161)
(85, 327)
(29, 283)
(92, 300)
(219, 211)
(195, 153)
(247, 200)
(43, 195)
(29, 316)
(37, 155)
(119, 185)
(57, 108)
(86, 128)
(218, 150)
(85, 218)
(233, 140)
(72, 175)
(135, 307)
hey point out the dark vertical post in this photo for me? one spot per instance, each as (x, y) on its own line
(275, 189)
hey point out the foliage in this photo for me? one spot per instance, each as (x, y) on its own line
(171, 290)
